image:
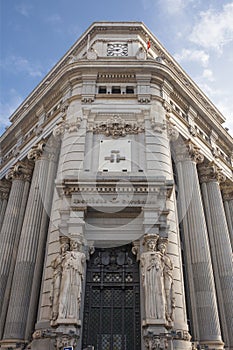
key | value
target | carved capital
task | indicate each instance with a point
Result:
(117, 127)
(227, 190)
(37, 151)
(20, 171)
(73, 126)
(211, 173)
(66, 340)
(187, 150)
(4, 189)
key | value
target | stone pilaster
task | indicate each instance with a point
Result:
(17, 314)
(210, 177)
(20, 175)
(200, 278)
(4, 194)
(227, 193)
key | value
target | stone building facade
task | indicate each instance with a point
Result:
(116, 205)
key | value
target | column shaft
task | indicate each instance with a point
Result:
(27, 251)
(11, 226)
(200, 272)
(221, 254)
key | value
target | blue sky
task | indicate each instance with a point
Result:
(36, 34)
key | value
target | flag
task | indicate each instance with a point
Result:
(148, 44)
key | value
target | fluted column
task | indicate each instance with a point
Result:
(4, 194)
(27, 251)
(227, 192)
(210, 177)
(20, 175)
(205, 319)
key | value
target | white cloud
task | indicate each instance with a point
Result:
(199, 56)
(24, 9)
(214, 29)
(20, 64)
(54, 18)
(208, 74)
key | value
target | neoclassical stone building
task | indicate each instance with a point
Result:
(116, 205)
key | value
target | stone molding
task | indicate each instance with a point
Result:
(188, 150)
(116, 127)
(211, 172)
(20, 171)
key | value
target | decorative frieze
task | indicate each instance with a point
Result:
(64, 126)
(211, 172)
(156, 342)
(117, 127)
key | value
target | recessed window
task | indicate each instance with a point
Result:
(129, 89)
(116, 90)
(102, 90)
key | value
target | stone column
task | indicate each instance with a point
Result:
(210, 177)
(4, 194)
(205, 319)
(27, 250)
(227, 192)
(20, 175)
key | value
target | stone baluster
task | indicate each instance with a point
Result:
(227, 192)
(20, 175)
(205, 318)
(210, 177)
(27, 250)
(4, 194)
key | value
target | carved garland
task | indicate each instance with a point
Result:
(117, 127)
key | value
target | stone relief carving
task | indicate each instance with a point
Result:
(157, 277)
(154, 342)
(117, 127)
(21, 170)
(68, 270)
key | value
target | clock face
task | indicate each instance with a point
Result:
(117, 50)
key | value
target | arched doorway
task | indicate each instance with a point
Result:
(112, 301)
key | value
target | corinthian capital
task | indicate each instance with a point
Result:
(211, 173)
(20, 171)
(187, 150)
(36, 151)
(227, 190)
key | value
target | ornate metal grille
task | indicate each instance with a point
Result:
(112, 301)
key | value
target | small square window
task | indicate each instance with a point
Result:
(129, 89)
(116, 90)
(102, 90)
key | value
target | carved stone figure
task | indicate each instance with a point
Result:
(153, 282)
(57, 273)
(168, 279)
(71, 282)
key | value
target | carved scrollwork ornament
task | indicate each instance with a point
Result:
(211, 172)
(37, 151)
(20, 171)
(172, 132)
(158, 127)
(66, 340)
(59, 129)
